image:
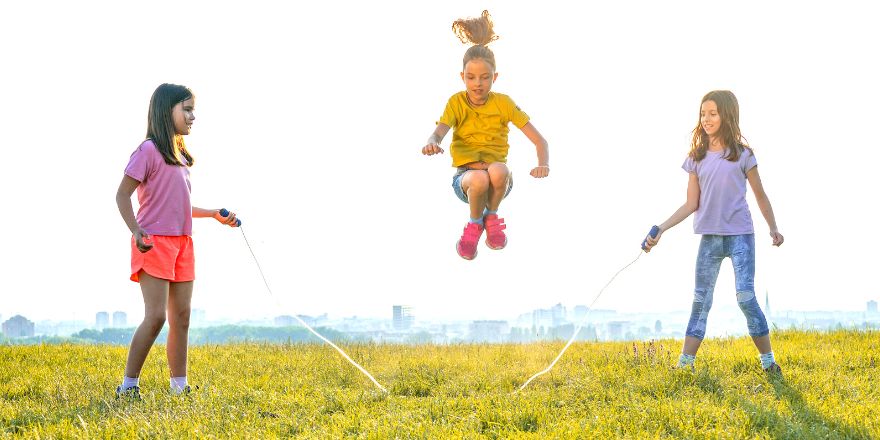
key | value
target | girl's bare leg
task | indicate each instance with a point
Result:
(155, 293)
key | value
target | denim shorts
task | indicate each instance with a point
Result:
(456, 184)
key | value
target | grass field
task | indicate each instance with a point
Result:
(830, 389)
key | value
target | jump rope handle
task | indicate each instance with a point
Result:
(653, 233)
(225, 213)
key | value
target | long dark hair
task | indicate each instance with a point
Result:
(477, 31)
(728, 110)
(160, 124)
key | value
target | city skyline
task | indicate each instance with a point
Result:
(202, 311)
(555, 322)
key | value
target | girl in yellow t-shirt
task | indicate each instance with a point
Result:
(479, 119)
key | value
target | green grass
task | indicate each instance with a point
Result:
(831, 389)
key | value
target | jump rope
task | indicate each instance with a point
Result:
(225, 213)
(653, 233)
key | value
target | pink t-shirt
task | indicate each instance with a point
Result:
(165, 207)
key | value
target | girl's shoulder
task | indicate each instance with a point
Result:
(458, 96)
(500, 98)
(458, 100)
(147, 148)
(502, 101)
(746, 154)
(147, 145)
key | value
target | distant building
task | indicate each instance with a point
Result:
(488, 331)
(542, 318)
(18, 327)
(872, 306)
(402, 317)
(120, 319)
(102, 320)
(617, 329)
(579, 313)
(558, 314)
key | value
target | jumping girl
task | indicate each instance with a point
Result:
(478, 118)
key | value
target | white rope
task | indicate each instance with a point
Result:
(362, 369)
(580, 325)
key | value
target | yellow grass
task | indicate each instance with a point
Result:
(830, 389)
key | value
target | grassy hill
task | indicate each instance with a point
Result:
(830, 389)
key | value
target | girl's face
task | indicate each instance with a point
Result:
(710, 119)
(183, 117)
(478, 77)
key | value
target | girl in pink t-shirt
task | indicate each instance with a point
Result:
(162, 259)
(718, 166)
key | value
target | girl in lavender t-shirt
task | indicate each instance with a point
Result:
(718, 166)
(162, 258)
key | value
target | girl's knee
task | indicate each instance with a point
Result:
(748, 303)
(154, 323)
(181, 320)
(745, 296)
(498, 173)
(498, 168)
(477, 180)
(703, 296)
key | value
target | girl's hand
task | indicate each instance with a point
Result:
(431, 149)
(540, 171)
(652, 241)
(228, 220)
(777, 238)
(142, 240)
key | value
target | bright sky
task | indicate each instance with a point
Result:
(309, 121)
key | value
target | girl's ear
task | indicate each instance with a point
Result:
(495, 77)
(462, 75)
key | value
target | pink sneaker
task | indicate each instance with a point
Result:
(495, 237)
(467, 245)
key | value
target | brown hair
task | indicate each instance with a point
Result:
(728, 110)
(477, 31)
(160, 125)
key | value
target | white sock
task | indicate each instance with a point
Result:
(178, 384)
(685, 360)
(128, 382)
(767, 359)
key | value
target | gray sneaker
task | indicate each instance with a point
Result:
(133, 393)
(187, 390)
(774, 369)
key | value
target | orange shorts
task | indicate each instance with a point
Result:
(171, 258)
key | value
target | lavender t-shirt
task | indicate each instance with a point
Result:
(165, 207)
(723, 208)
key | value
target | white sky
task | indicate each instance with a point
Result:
(310, 117)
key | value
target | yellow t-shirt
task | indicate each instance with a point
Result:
(479, 134)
